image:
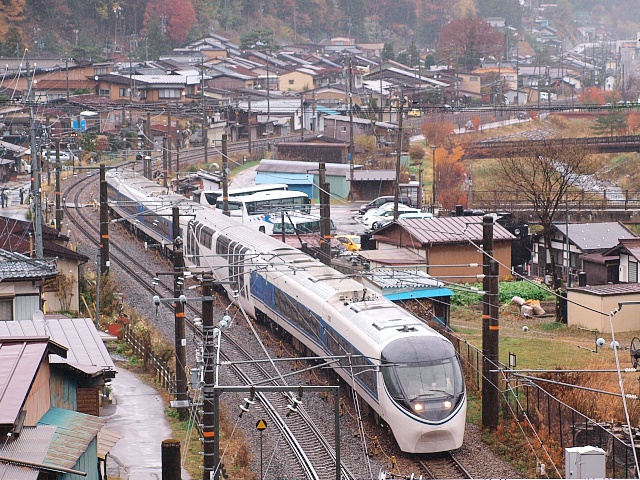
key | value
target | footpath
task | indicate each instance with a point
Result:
(138, 416)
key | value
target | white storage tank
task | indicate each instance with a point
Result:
(584, 462)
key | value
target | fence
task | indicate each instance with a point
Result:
(142, 347)
(562, 425)
(511, 201)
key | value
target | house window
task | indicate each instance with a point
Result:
(291, 82)
(123, 92)
(6, 309)
(104, 92)
(633, 272)
(343, 129)
(169, 93)
(473, 79)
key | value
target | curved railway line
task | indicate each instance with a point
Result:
(307, 445)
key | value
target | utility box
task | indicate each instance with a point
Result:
(584, 462)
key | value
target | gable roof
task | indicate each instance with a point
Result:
(595, 236)
(20, 359)
(443, 230)
(15, 237)
(630, 245)
(87, 352)
(14, 266)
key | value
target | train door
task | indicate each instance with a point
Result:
(192, 244)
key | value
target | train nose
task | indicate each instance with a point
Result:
(439, 440)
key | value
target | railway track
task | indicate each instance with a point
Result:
(308, 447)
(443, 465)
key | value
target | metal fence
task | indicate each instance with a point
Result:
(562, 425)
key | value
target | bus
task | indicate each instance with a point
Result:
(264, 208)
(299, 224)
(210, 197)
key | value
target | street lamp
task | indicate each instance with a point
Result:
(433, 161)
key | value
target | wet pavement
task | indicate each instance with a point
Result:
(138, 415)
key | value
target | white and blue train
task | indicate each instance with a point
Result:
(408, 373)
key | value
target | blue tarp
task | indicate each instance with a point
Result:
(419, 293)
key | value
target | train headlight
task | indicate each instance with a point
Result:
(418, 407)
(447, 404)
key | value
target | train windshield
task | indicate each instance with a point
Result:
(424, 375)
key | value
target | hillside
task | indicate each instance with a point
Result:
(150, 26)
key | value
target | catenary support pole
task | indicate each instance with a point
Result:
(490, 329)
(180, 330)
(104, 222)
(209, 431)
(58, 190)
(225, 177)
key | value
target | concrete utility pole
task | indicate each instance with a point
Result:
(169, 140)
(180, 330)
(165, 171)
(147, 141)
(205, 133)
(58, 190)
(396, 190)
(209, 426)
(104, 222)
(490, 329)
(351, 159)
(225, 177)
(36, 172)
(325, 215)
(249, 124)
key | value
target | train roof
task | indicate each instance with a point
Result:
(383, 320)
(324, 280)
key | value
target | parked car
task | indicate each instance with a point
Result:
(406, 215)
(349, 242)
(378, 202)
(381, 217)
(64, 156)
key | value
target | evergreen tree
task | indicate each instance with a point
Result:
(387, 52)
(157, 43)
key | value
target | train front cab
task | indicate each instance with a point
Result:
(424, 380)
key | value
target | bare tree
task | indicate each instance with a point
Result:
(547, 175)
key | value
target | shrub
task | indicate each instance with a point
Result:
(507, 290)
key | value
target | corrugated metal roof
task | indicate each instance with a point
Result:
(595, 236)
(606, 290)
(310, 168)
(74, 433)
(393, 256)
(106, 440)
(387, 278)
(79, 335)
(31, 446)
(445, 230)
(19, 363)
(370, 175)
(12, 147)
